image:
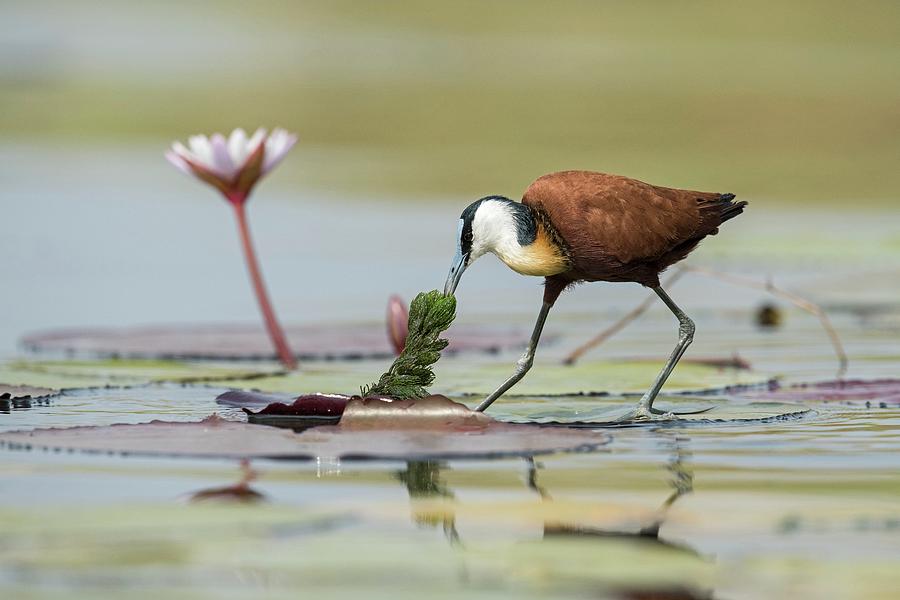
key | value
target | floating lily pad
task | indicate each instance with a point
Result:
(357, 412)
(873, 392)
(600, 411)
(454, 377)
(250, 342)
(575, 411)
(217, 437)
(61, 374)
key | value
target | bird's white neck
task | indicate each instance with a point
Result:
(510, 231)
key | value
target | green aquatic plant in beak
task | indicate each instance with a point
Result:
(430, 314)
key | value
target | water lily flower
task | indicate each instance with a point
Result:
(233, 166)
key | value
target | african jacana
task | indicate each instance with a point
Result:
(576, 226)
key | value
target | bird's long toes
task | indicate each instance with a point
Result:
(695, 411)
(644, 415)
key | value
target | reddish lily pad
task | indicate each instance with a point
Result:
(479, 437)
(300, 412)
(249, 342)
(308, 410)
(354, 411)
(872, 392)
(316, 405)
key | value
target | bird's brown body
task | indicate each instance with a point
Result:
(613, 228)
(575, 226)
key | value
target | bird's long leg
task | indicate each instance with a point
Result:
(524, 363)
(686, 328)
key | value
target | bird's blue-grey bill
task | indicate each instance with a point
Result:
(456, 271)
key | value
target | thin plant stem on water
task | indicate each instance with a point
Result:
(768, 286)
(273, 327)
(234, 166)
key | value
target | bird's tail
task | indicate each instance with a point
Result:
(729, 209)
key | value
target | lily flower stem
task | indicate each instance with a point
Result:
(276, 333)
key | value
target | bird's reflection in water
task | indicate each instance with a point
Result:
(240, 492)
(423, 481)
(682, 483)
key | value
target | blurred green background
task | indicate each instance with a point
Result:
(776, 101)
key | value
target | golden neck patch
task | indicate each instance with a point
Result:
(543, 257)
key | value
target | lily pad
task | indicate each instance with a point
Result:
(250, 342)
(586, 377)
(872, 392)
(574, 411)
(604, 411)
(456, 376)
(220, 438)
(61, 374)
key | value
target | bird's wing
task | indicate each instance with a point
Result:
(611, 215)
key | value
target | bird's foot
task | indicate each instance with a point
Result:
(645, 413)
(642, 413)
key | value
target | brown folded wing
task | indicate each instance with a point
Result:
(607, 219)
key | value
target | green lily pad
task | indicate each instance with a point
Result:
(585, 377)
(598, 411)
(62, 374)
(344, 377)
(463, 376)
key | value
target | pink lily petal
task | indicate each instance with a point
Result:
(237, 146)
(277, 147)
(221, 160)
(179, 163)
(202, 149)
(179, 149)
(258, 137)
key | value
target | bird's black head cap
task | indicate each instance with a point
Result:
(526, 228)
